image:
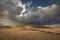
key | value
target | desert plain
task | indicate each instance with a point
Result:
(29, 33)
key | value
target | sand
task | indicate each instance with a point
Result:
(29, 34)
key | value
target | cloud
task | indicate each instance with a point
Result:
(8, 11)
(50, 14)
(14, 12)
(42, 15)
(54, 2)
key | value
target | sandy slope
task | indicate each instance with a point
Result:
(20, 34)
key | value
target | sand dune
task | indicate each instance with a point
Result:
(29, 33)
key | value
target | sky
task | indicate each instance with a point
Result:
(29, 12)
(42, 2)
(37, 2)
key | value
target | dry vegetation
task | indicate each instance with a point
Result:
(29, 33)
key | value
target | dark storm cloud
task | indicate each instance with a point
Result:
(42, 15)
(54, 2)
(10, 13)
(50, 14)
